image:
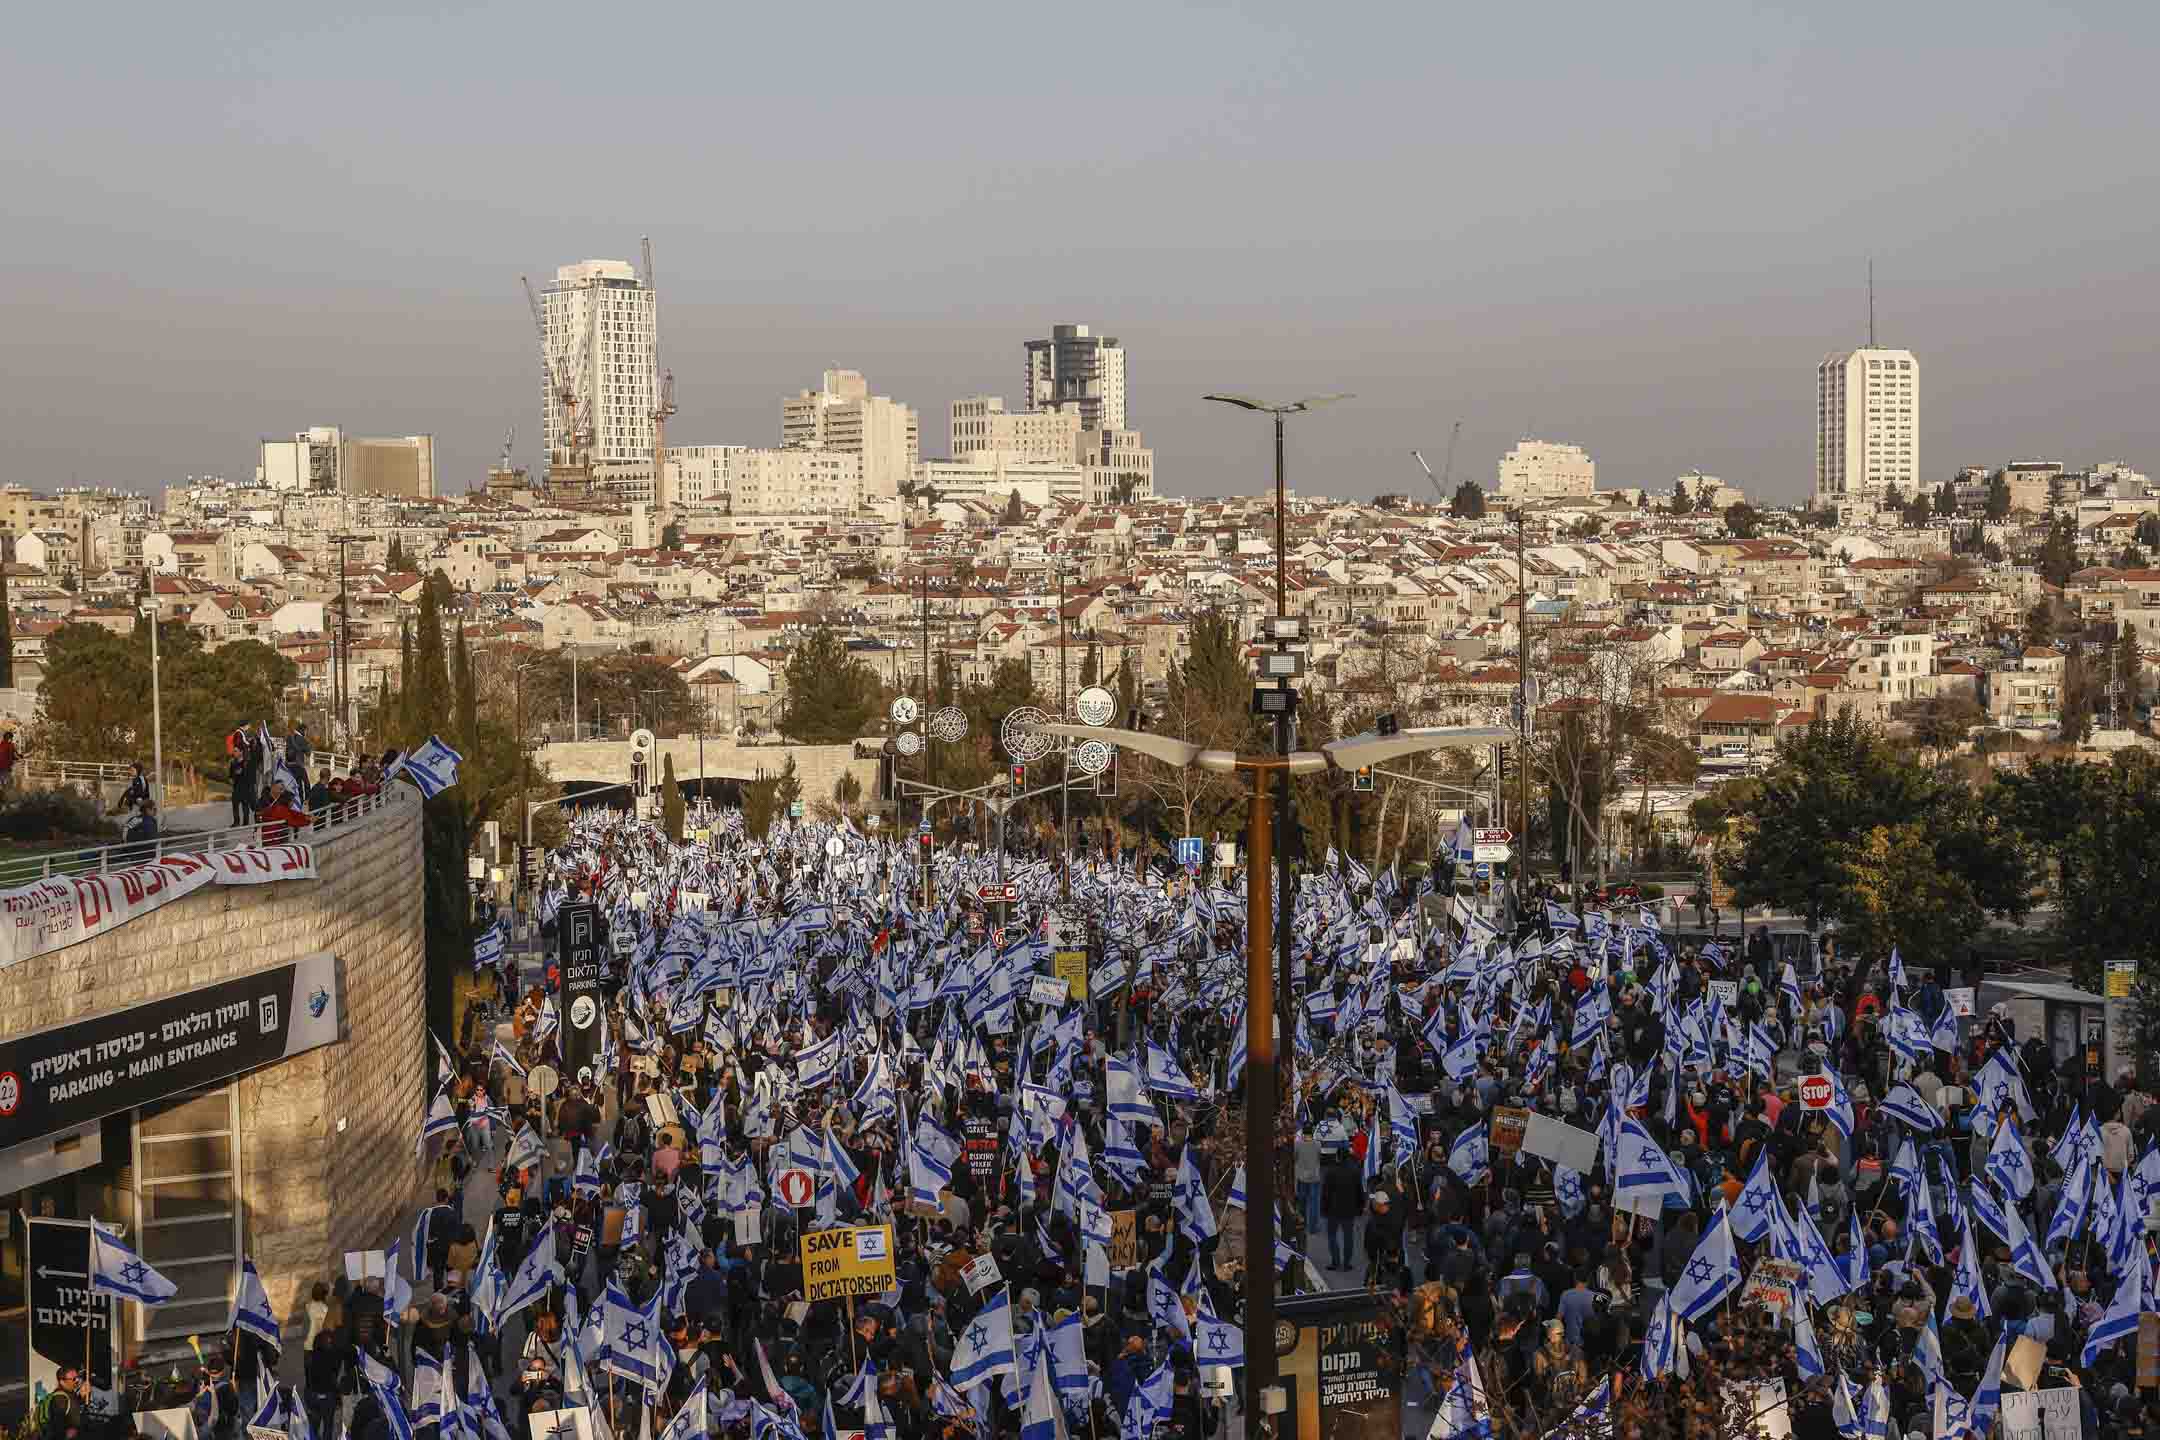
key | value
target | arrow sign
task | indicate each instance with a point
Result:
(998, 892)
(1495, 837)
(795, 1188)
(46, 1272)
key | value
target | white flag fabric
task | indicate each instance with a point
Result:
(432, 767)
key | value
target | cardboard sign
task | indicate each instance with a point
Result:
(1773, 1283)
(572, 1422)
(1047, 990)
(1559, 1142)
(2040, 1414)
(854, 1260)
(749, 1224)
(366, 1265)
(1124, 1239)
(981, 1273)
(1071, 966)
(1508, 1127)
(2024, 1360)
(1727, 992)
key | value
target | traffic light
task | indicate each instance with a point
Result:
(1500, 760)
(1019, 776)
(1363, 779)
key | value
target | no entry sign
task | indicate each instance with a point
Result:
(795, 1188)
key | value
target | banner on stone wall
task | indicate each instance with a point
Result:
(63, 910)
(73, 1074)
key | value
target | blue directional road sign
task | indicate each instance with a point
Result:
(1189, 850)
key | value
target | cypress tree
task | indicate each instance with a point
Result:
(7, 626)
(430, 682)
(468, 701)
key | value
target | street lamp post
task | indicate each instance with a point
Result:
(1284, 704)
(157, 710)
(1260, 1010)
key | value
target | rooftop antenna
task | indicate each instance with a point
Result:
(1871, 302)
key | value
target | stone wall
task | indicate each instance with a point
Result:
(326, 1149)
(819, 767)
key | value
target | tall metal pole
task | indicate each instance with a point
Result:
(1285, 815)
(1522, 707)
(157, 708)
(1065, 762)
(1260, 1107)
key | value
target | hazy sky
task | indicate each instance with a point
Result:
(1637, 228)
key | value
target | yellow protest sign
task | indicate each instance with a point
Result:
(1071, 966)
(854, 1260)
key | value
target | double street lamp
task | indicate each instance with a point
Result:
(1262, 1063)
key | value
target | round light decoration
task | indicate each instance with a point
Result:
(1091, 757)
(903, 710)
(1023, 734)
(908, 743)
(1095, 706)
(948, 723)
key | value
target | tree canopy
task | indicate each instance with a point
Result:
(831, 696)
(95, 703)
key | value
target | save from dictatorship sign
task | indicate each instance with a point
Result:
(854, 1260)
(63, 910)
(72, 1074)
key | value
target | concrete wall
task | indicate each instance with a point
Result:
(326, 1149)
(818, 766)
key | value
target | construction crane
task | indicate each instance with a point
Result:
(1447, 467)
(566, 399)
(663, 396)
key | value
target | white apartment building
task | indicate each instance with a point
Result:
(1115, 460)
(324, 460)
(993, 476)
(797, 480)
(1076, 370)
(843, 415)
(697, 474)
(981, 422)
(1542, 470)
(1867, 423)
(600, 319)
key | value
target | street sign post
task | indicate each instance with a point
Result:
(995, 894)
(1189, 850)
(1816, 1092)
(795, 1188)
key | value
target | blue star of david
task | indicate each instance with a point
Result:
(633, 1336)
(1698, 1269)
(2001, 1091)
(1755, 1201)
(2011, 1160)
(978, 1336)
(1217, 1342)
(134, 1272)
(1650, 1155)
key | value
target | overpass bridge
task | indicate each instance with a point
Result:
(607, 762)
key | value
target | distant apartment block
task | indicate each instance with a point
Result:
(324, 460)
(600, 316)
(843, 415)
(1542, 470)
(793, 481)
(1867, 423)
(1079, 371)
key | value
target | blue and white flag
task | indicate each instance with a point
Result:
(1711, 1273)
(1216, 1341)
(1661, 1342)
(2121, 1319)
(1905, 1104)
(1463, 1414)
(1043, 1418)
(985, 1348)
(818, 1064)
(1643, 1172)
(1987, 1400)
(384, 1382)
(2008, 1164)
(432, 767)
(1757, 1201)
(637, 1347)
(251, 1308)
(693, 1420)
(117, 1270)
(536, 1275)
(1470, 1157)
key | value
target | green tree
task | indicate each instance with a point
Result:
(1682, 503)
(1998, 498)
(2080, 696)
(2057, 560)
(671, 801)
(1741, 521)
(468, 698)
(1468, 501)
(760, 805)
(2098, 827)
(671, 535)
(1015, 510)
(2129, 671)
(788, 791)
(1941, 723)
(2039, 624)
(2130, 558)
(831, 696)
(1945, 500)
(2148, 533)
(394, 561)
(428, 711)
(1841, 827)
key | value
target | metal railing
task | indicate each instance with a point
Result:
(329, 764)
(329, 823)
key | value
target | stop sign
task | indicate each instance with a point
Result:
(795, 1188)
(1817, 1093)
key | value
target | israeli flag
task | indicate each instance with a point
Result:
(1987, 1400)
(440, 1119)
(1807, 1350)
(985, 1348)
(817, 1064)
(1067, 1352)
(1470, 1156)
(1756, 1200)
(1711, 1273)
(251, 1308)
(384, 1382)
(432, 767)
(1127, 1101)
(1216, 1341)
(1043, 1418)
(1165, 1078)
(637, 1346)
(1967, 1281)
(1905, 1103)
(536, 1276)
(427, 1390)
(117, 1270)
(2008, 1164)
(1643, 1172)
(1661, 1342)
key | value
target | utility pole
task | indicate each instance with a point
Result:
(1065, 760)
(340, 674)
(1523, 702)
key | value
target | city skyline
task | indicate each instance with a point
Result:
(1651, 265)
